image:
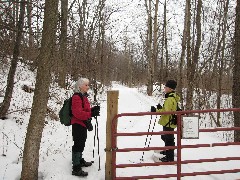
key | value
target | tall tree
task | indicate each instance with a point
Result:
(152, 42)
(188, 46)
(40, 99)
(63, 44)
(99, 65)
(80, 63)
(221, 60)
(193, 61)
(10, 82)
(183, 52)
(165, 40)
(29, 17)
(236, 73)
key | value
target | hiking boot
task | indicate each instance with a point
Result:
(163, 152)
(84, 163)
(77, 171)
(165, 159)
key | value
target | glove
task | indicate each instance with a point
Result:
(95, 113)
(159, 106)
(153, 109)
(96, 108)
(88, 124)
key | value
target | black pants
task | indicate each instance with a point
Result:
(79, 134)
(169, 141)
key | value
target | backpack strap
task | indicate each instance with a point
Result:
(171, 95)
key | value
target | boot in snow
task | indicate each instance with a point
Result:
(77, 168)
(77, 171)
(84, 163)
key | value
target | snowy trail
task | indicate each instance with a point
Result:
(55, 153)
(131, 100)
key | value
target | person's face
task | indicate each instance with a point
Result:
(167, 89)
(84, 88)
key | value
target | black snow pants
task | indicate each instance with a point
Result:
(79, 134)
(169, 141)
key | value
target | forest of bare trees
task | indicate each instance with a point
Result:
(67, 39)
(83, 48)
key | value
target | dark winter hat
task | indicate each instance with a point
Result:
(171, 84)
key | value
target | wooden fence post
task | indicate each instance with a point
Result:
(112, 110)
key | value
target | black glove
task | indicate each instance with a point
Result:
(95, 108)
(95, 113)
(153, 109)
(159, 106)
(88, 124)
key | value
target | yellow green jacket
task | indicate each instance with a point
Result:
(170, 104)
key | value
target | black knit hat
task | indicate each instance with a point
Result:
(171, 84)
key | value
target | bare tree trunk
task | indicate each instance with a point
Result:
(81, 60)
(63, 45)
(131, 66)
(236, 73)
(183, 53)
(149, 48)
(36, 122)
(221, 62)
(192, 64)
(38, 27)
(98, 71)
(30, 36)
(152, 44)
(188, 43)
(166, 41)
(155, 37)
(102, 38)
(10, 83)
(161, 69)
(73, 48)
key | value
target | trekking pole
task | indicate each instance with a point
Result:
(152, 131)
(146, 138)
(94, 141)
(98, 144)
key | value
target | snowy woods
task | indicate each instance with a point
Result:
(135, 43)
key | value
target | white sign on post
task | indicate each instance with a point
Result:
(190, 127)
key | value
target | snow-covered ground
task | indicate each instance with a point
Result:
(55, 152)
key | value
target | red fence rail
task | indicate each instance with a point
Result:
(179, 146)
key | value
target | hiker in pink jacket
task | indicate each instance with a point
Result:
(81, 120)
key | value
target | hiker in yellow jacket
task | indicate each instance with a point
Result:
(170, 104)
